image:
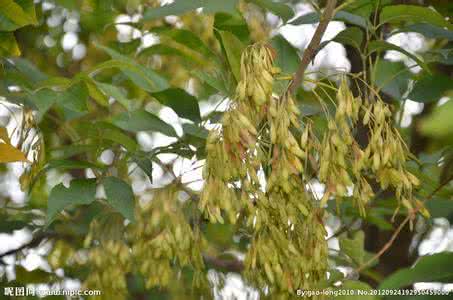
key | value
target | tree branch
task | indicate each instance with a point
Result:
(232, 265)
(401, 226)
(387, 245)
(312, 48)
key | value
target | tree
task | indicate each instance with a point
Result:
(110, 183)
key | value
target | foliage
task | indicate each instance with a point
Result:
(118, 214)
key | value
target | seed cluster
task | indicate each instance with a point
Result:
(254, 168)
(233, 153)
(109, 264)
(162, 240)
(157, 246)
(387, 154)
(343, 164)
(257, 170)
(288, 249)
(260, 162)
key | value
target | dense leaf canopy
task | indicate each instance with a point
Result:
(164, 149)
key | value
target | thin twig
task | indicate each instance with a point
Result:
(401, 226)
(313, 46)
(387, 245)
(343, 229)
(232, 265)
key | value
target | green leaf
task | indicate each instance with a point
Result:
(349, 285)
(142, 120)
(142, 76)
(80, 191)
(9, 226)
(8, 45)
(176, 8)
(43, 100)
(107, 131)
(430, 88)
(68, 151)
(180, 7)
(279, 9)
(28, 69)
(116, 93)
(380, 220)
(128, 48)
(288, 59)
(392, 78)
(144, 161)
(351, 18)
(184, 104)
(213, 79)
(233, 48)
(440, 208)
(344, 16)
(161, 49)
(186, 38)
(440, 122)
(441, 56)
(384, 46)
(429, 268)
(69, 114)
(196, 136)
(354, 248)
(95, 92)
(352, 36)
(413, 14)
(16, 14)
(120, 196)
(364, 8)
(227, 6)
(32, 277)
(236, 24)
(334, 276)
(63, 165)
(428, 30)
(61, 82)
(75, 97)
(196, 131)
(310, 18)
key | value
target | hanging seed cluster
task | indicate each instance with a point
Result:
(387, 154)
(157, 246)
(288, 248)
(259, 163)
(109, 263)
(162, 241)
(233, 153)
(257, 170)
(254, 168)
(340, 153)
(343, 164)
